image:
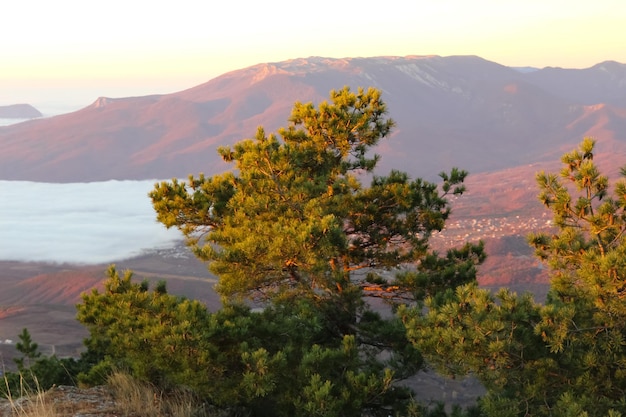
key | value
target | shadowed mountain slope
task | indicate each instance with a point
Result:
(603, 83)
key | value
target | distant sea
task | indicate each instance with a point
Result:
(83, 223)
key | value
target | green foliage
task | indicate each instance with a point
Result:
(292, 228)
(567, 356)
(584, 320)
(282, 361)
(296, 218)
(470, 330)
(153, 334)
(28, 349)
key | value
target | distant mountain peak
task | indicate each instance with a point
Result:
(610, 65)
(310, 64)
(19, 111)
(101, 102)
(266, 70)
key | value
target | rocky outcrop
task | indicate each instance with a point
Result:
(63, 401)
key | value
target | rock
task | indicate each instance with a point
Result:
(64, 401)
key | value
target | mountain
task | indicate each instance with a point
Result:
(502, 124)
(450, 111)
(19, 111)
(602, 83)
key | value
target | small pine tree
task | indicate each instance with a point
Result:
(28, 349)
(37, 372)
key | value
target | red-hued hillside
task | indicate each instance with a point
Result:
(42, 297)
(450, 111)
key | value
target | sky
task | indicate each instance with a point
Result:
(61, 54)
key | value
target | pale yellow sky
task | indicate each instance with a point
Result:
(76, 50)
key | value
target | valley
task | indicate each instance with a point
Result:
(42, 296)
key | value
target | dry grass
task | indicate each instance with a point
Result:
(123, 397)
(30, 401)
(139, 399)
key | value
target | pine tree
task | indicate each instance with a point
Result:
(29, 350)
(564, 357)
(152, 334)
(294, 228)
(584, 320)
(295, 218)
(35, 371)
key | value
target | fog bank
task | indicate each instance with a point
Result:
(87, 223)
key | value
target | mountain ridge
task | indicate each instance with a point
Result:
(450, 111)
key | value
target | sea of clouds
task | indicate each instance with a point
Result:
(7, 122)
(85, 223)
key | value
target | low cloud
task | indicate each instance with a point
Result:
(85, 223)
